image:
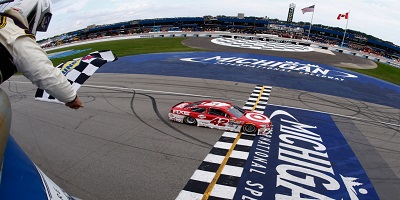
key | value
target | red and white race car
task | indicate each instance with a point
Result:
(221, 115)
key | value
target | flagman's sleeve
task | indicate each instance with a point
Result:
(33, 63)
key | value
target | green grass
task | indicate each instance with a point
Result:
(383, 71)
(159, 45)
(129, 47)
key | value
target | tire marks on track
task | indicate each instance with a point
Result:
(154, 104)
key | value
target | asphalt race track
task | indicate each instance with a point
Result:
(121, 145)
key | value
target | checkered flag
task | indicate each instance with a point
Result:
(78, 71)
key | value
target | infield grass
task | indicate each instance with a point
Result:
(158, 45)
(128, 47)
(383, 71)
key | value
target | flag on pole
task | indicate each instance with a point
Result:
(308, 9)
(340, 16)
(346, 16)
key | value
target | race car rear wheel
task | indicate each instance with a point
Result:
(248, 128)
(190, 120)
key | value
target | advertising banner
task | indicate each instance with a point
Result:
(292, 6)
(306, 157)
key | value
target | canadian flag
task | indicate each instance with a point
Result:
(346, 16)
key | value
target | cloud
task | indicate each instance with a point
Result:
(373, 17)
(66, 7)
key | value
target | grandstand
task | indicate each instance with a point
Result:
(248, 25)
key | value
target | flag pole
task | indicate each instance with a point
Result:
(309, 30)
(348, 16)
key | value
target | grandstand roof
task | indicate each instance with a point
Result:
(223, 22)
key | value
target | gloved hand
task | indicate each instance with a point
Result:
(75, 104)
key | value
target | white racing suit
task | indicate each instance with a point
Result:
(20, 52)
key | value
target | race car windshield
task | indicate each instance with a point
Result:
(237, 111)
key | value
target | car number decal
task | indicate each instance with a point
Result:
(219, 121)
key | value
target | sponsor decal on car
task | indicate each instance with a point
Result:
(301, 67)
(201, 117)
(174, 118)
(234, 122)
(257, 117)
(181, 112)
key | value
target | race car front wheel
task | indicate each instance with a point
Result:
(248, 128)
(190, 120)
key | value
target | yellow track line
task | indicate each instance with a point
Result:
(221, 167)
(258, 99)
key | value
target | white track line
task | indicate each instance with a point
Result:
(339, 115)
(155, 91)
(195, 95)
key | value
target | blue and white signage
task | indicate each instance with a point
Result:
(289, 65)
(22, 179)
(261, 69)
(306, 157)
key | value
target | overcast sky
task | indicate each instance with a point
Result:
(373, 17)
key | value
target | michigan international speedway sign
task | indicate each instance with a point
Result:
(261, 69)
(306, 157)
(276, 65)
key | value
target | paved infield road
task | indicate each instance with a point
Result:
(122, 146)
(340, 59)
